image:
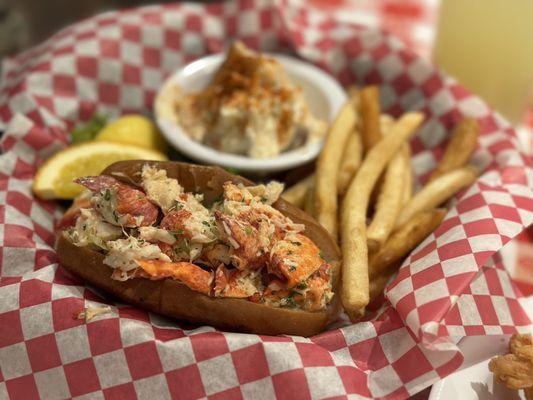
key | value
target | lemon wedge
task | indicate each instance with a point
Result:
(133, 129)
(54, 179)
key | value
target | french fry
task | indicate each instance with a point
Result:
(390, 199)
(370, 117)
(351, 160)
(404, 240)
(437, 192)
(389, 203)
(377, 284)
(408, 179)
(296, 193)
(386, 122)
(309, 202)
(459, 149)
(353, 153)
(326, 202)
(353, 91)
(355, 289)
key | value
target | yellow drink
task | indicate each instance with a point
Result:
(488, 46)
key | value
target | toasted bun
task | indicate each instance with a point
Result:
(172, 298)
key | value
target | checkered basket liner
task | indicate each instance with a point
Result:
(453, 285)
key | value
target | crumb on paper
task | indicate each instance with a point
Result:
(89, 313)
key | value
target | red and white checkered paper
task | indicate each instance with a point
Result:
(451, 286)
(413, 21)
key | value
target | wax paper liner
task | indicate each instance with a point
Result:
(451, 286)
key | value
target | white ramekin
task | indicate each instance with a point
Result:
(322, 92)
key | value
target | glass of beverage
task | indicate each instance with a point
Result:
(488, 46)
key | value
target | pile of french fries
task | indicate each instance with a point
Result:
(362, 192)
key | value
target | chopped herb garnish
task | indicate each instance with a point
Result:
(321, 254)
(115, 215)
(297, 243)
(264, 199)
(302, 285)
(206, 223)
(177, 233)
(292, 268)
(248, 230)
(290, 253)
(184, 246)
(176, 206)
(107, 195)
(289, 301)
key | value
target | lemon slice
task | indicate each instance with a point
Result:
(133, 129)
(54, 179)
